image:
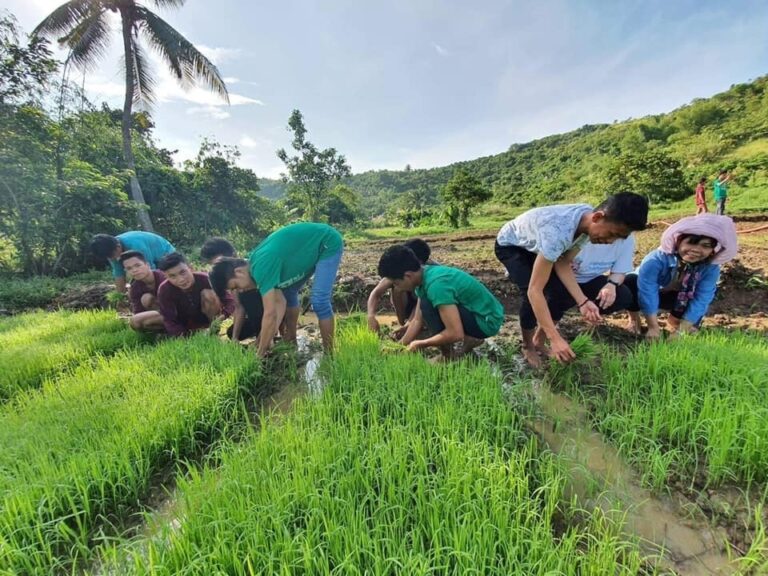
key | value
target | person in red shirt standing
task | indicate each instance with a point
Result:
(143, 291)
(701, 201)
(186, 299)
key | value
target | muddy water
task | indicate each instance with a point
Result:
(600, 478)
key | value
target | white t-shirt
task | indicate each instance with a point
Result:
(594, 260)
(548, 230)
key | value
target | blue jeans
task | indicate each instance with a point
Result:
(322, 287)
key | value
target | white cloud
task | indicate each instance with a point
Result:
(439, 49)
(218, 55)
(215, 112)
(248, 142)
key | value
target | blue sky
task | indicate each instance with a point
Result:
(428, 82)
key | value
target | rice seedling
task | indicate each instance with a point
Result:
(398, 467)
(84, 447)
(37, 345)
(695, 407)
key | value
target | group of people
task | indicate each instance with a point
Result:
(560, 257)
(720, 193)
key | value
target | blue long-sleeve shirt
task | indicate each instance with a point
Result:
(658, 269)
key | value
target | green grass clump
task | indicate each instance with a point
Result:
(689, 408)
(86, 446)
(399, 467)
(38, 345)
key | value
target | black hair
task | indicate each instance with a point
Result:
(132, 254)
(214, 247)
(104, 245)
(222, 272)
(723, 170)
(626, 208)
(170, 260)
(703, 181)
(696, 238)
(420, 248)
(396, 261)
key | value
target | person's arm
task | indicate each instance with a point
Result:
(228, 305)
(607, 295)
(271, 320)
(238, 317)
(121, 284)
(542, 269)
(587, 308)
(648, 281)
(414, 326)
(373, 302)
(705, 293)
(453, 332)
(170, 314)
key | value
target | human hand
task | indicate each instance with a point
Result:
(653, 333)
(590, 312)
(561, 350)
(607, 296)
(414, 346)
(373, 324)
(399, 333)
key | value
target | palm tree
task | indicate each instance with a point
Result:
(83, 27)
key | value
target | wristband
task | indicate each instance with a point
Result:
(582, 304)
(613, 282)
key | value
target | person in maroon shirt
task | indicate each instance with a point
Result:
(143, 292)
(187, 302)
(701, 199)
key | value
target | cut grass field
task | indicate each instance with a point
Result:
(38, 345)
(82, 451)
(399, 467)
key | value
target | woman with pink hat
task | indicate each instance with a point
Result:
(681, 274)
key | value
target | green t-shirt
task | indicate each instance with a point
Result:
(443, 285)
(721, 190)
(290, 254)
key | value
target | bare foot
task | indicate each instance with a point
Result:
(634, 328)
(531, 356)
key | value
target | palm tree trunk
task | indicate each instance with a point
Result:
(144, 221)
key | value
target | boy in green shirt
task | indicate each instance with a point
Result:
(278, 268)
(721, 191)
(454, 305)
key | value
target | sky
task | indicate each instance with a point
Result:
(430, 82)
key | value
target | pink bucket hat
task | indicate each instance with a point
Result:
(721, 228)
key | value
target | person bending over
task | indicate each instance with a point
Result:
(454, 305)
(249, 308)
(403, 302)
(600, 270)
(278, 268)
(153, 247)
(186, 299)
(545, 239)
(681, 274)
(142, 294)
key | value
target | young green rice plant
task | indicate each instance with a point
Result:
(398, 467)
(693, 407)
(36, 345)
(85, 446)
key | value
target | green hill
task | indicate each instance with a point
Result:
(729, 129)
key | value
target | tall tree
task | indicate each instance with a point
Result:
(83, 27)
(462, 192)
(311, 172)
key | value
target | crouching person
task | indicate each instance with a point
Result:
(454, 305)
(186, 300)
(681, 274)
(142, 295)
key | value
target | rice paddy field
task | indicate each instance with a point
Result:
(158, 458)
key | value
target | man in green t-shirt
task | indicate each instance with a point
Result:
(721, 191)
(454, 305)
(278, 268)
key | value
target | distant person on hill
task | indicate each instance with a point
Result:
(186, 299)
(600, 270)
(143, 292)
(151, 245)
(278, 268)
(701, 200)
(403, 302)
(548, 238)
(249, 310)
(681, 274)
(721, 190)
(455, 306)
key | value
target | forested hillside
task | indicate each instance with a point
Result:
(663, 155)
